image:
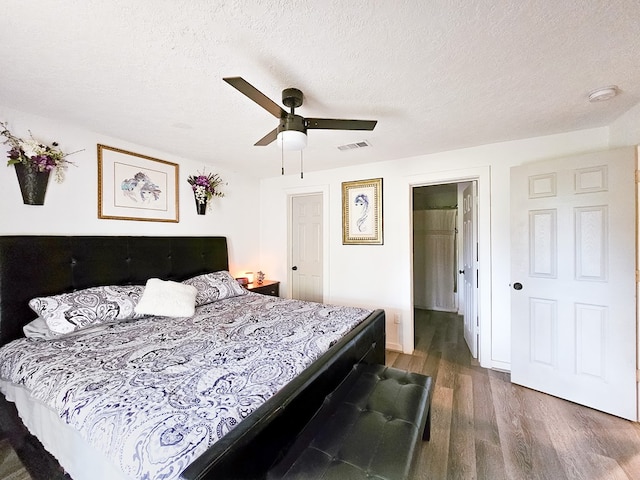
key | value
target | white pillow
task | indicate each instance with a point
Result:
(167, 299)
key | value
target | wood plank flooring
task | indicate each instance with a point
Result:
(485, 428)
(10, 466)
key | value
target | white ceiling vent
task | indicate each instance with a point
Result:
(352, 146)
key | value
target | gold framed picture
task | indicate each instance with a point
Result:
(362, 212)
(132, 186)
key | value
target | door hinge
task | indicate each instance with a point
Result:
(637, 276)
(637, 176)
(637, 376)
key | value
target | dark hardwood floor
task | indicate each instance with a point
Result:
(485, 428)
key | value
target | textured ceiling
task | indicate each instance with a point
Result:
(436, 74)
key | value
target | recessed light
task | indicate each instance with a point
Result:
(603, 93)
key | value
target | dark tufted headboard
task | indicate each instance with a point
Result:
(44, 265)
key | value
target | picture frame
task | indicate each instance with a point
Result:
(362, 212)
(132, 186)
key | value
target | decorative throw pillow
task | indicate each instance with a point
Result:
(72, 311)
(215, 286)
(167, 299)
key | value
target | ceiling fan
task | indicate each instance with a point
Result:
(291, 132)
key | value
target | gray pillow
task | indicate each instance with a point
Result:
(215, 286)
(72, 311)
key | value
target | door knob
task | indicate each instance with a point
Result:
(461, 272)
(517, 286)
(294, 268)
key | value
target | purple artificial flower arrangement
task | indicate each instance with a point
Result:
(205, 187)
(35, 155)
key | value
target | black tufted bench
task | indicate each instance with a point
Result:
(369, 427)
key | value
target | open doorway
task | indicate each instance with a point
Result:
(445, 253)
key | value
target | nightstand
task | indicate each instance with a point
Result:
(267, 287)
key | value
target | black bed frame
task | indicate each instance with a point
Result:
(43, 265)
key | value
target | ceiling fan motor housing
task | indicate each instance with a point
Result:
(292, 122)
(292, 132)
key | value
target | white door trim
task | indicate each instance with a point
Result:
(310, 190)
(483, 177)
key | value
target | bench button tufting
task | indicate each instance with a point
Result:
(378, 397)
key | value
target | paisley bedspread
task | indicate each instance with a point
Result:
(155, 393)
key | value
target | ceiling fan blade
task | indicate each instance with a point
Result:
(336, 124)
(256, 95)
(267, 139)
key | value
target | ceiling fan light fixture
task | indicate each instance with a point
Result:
(292, 140)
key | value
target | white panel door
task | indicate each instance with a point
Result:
(573, 301)
(306, 254)
(470, 257)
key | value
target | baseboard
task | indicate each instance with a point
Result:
(502, 366)
(438, 309)
(396, 347)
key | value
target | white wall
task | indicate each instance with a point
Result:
(71, 207)
(625, 130)
(370, 276)
(380, 276)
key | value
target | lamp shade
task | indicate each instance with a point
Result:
(292, 140)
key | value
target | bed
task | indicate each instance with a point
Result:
(33, 266)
